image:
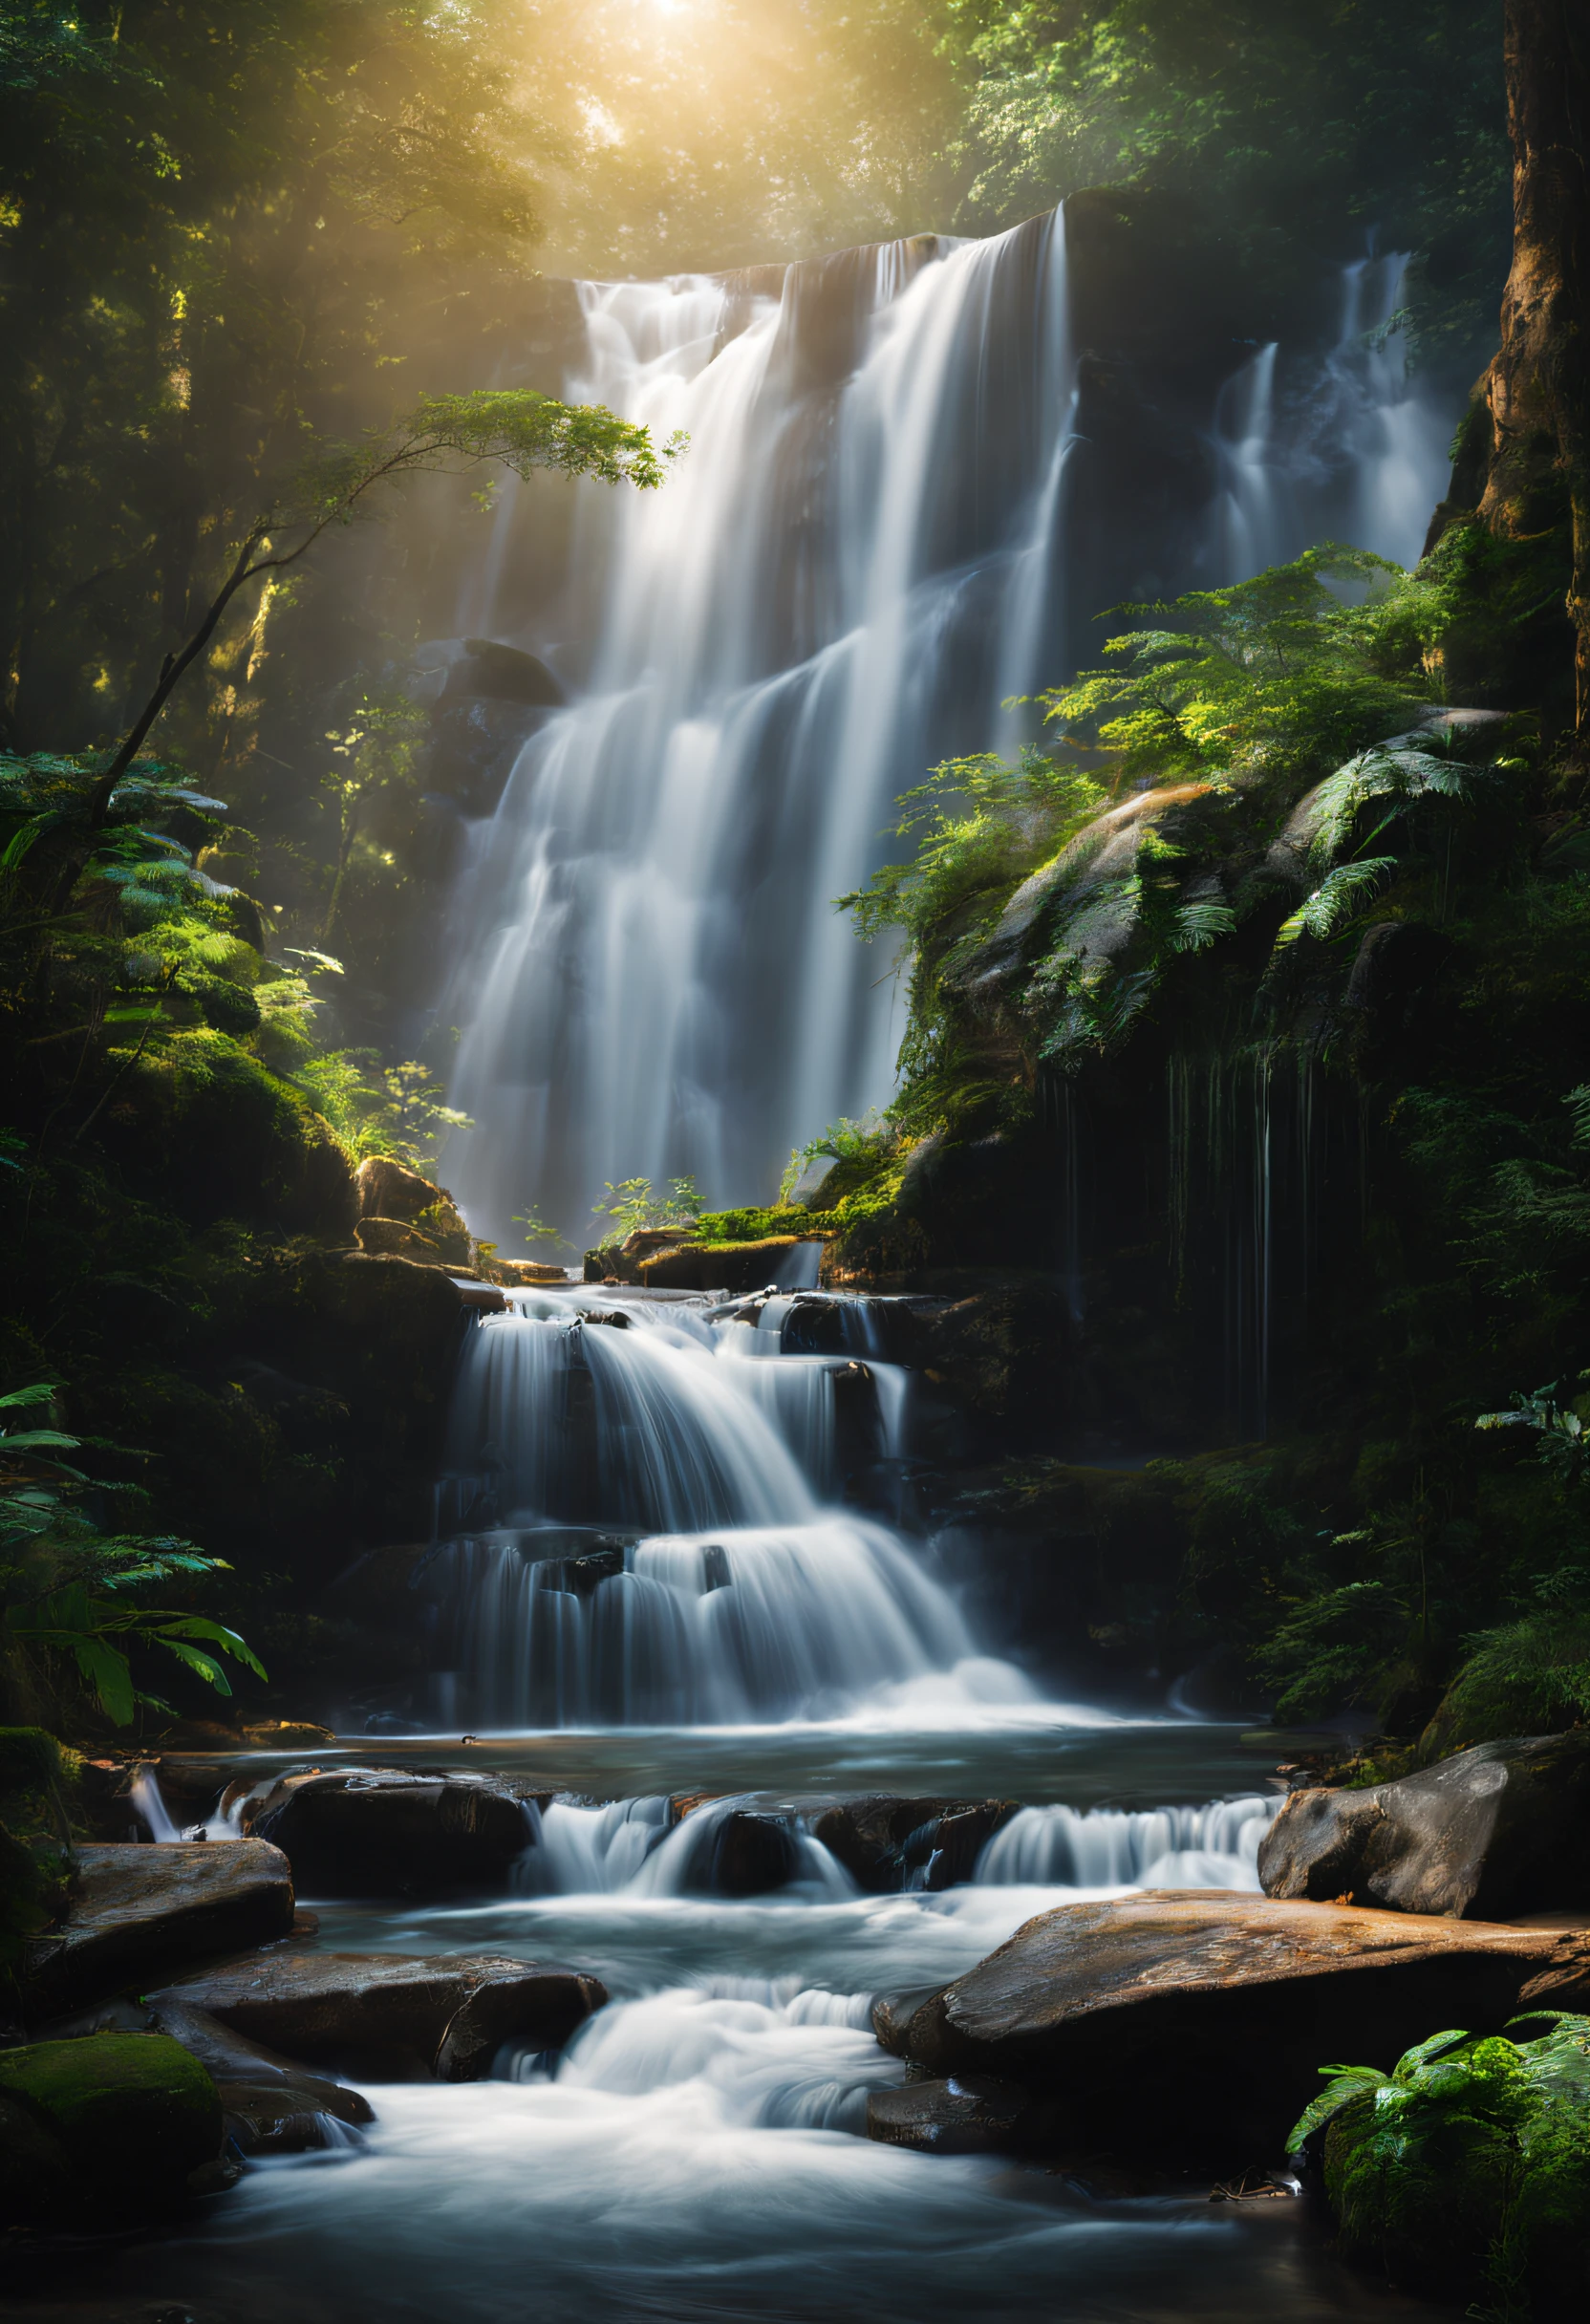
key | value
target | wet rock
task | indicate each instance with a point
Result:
(133, 2115)
(716, 1266)
(373, 1832)
(975, 2114)
(287, 1734)
(887, 1844)
(1195, 2024)
(524, 1274)
(271, 2104)
(1499, 1830)
(388, 2017)
(747, 1855)
(139, 1912)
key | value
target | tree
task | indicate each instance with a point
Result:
(514, 426)
(1523, 455)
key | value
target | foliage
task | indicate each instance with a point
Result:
(1467, 2166)
(1273, 678)
(61, 1575)
(981, 825)
(636, 1204)
(1337, 121)
(1562, 1445)
(537, 1230)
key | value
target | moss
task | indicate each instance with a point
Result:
(204, 1126)
(759, 1225)
(718, 1266)
(134, 2113)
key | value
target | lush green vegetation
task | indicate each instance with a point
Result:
(1466, 2167)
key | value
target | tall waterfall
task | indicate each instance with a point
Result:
(848, 573)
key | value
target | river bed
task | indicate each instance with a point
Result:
(696, 2154)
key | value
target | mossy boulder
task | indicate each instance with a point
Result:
(718, 1266)
(129, 2116)
(204, 1125)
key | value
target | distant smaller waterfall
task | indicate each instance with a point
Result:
(1252, 515)
(1059, 1847)
(1343, 445)
(629, 1848)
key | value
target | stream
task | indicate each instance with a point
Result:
(698, 2152)
(695, 2154)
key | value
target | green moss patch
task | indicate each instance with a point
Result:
(134, 2114)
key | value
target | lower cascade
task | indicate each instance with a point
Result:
(645, 1533)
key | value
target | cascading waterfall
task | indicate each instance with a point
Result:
(850, 569)
(643, 1537)
(1344, 449)
(1193, 1847)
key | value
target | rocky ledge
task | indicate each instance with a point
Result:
(136, 2102)
(1189, 2027)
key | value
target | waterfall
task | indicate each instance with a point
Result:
(645, 1529)
(848, 572)
(1207, 1847)
(1343, 445)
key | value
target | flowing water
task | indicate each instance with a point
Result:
(661, 1566)
(698, 2152)
(857, 567)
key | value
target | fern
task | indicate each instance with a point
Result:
(1468, 2165)
(1339, 897)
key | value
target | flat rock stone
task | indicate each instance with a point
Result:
(138, 1912)
(271, 2104)
(1196, 2022)
(379, 1832)
(1486, 1835)
(390, 2017)
(975, 2114)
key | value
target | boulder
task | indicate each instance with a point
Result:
(883, 1841)
(975, 2114)
(522, 1274)
(374, 1832)
(272, 2105)
(388, 2016)
(133, 2115)
(716, 1266)
(396, 1238)
(747, 1855)
(1498, 1831)
(487, 671)
(389, 1192)
(1194, 2023)
(137, 1913)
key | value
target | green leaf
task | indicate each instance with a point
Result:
(106, 1670)
(198, 1626)
(1347, 2083)
(198, 1660)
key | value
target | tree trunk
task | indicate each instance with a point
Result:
(1534, 405)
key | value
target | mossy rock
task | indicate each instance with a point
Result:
(207, 1127)
(718, 1266)
(132, 2113)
